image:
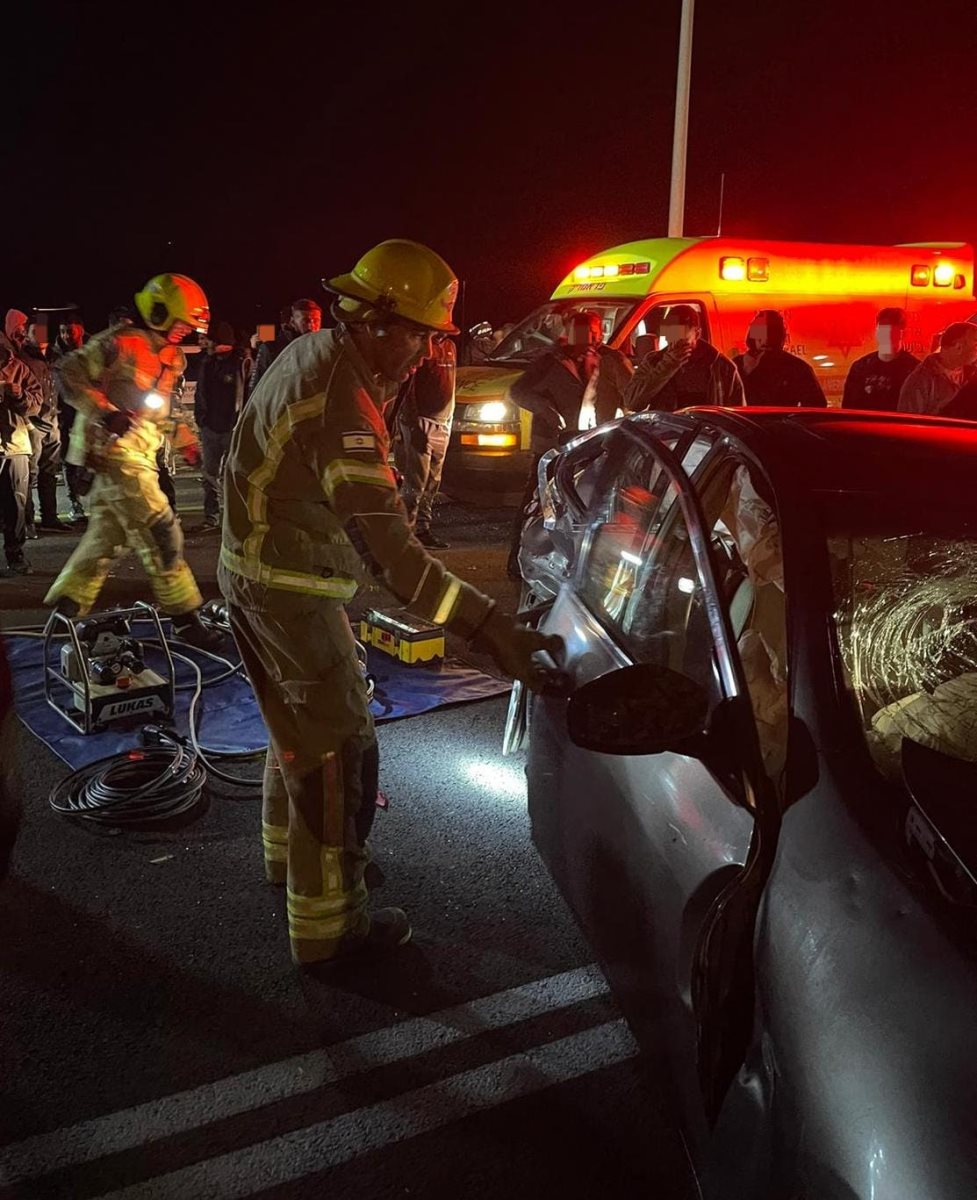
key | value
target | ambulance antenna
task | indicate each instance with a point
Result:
(722, 193)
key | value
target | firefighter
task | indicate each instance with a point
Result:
(311, 506)
(120, 383)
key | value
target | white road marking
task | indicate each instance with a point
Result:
(318, 1147)
(191, 1109)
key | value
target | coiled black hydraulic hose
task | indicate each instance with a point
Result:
(138, 787)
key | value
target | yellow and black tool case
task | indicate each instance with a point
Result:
(403, 636)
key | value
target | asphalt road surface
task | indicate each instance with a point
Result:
(156, 1040)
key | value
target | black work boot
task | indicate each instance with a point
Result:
(189, 628)
(18, 565)
(389, 928)
(67, 607)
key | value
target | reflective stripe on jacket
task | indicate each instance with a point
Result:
(309, 500)
(114, 370)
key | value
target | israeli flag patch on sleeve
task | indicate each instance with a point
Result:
(360, 440)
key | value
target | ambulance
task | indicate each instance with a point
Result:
(829, 294)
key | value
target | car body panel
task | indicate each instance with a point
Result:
(861, 1077)
(641, 844)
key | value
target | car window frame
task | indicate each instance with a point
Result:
(646, 435)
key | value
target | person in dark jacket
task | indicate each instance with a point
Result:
(45, 465)
(772, 376)
(552, 388)
(20, 399)
(688, 371)
(77, 479)
(422, 432)
(306, 317)
(875, 380)
(216, 403)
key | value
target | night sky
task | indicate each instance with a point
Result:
(259, 152)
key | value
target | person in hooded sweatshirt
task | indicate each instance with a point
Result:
(936, 383)
(772, 376)
(45, 466)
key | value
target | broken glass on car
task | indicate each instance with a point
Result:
(906, 621)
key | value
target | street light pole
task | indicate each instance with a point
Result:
(676, 203)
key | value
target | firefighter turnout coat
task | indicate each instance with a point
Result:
(312, 504)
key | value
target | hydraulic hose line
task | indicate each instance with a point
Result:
(164, 779)
(137, 787)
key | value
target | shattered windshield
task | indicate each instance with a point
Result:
(906, 620)
(547, 326)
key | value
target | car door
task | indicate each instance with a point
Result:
(552, 531)
(661, 856)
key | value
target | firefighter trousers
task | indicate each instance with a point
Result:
(128, 511)
(321, 771)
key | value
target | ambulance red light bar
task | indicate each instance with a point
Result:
(734, 270)
(612, 270)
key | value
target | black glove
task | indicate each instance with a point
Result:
(513, 645)
(118, 421)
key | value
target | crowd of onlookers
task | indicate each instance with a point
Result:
(578, 381)
(678, 368)
(37, 450)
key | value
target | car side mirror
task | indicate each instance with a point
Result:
(644, 709)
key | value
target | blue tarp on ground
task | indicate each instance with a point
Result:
(228, 715)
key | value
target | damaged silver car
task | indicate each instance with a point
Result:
(758, 796)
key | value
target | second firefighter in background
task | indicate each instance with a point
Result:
(311, 511)
(120, 383)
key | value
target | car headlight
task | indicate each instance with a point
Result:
(492, 412)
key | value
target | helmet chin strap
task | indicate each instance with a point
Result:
(366, 334)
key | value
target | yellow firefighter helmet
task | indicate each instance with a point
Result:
(398, 278)
(167, 299)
